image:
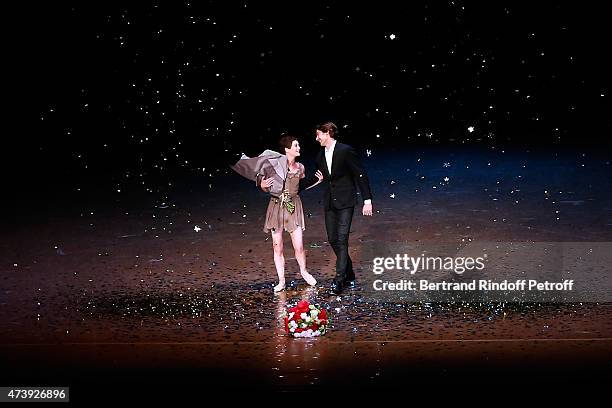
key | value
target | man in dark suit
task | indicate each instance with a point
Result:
(342, 172)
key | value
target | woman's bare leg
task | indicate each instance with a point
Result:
(279, 259)
(300, 256)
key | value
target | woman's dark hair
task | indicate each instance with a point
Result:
(329, 127)
(286, 142)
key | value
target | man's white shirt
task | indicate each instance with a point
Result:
(329, 154)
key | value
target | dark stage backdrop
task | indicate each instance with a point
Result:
(118, 98)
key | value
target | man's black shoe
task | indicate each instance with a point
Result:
(336, 288)
(349, 283)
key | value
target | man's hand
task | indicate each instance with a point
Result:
(367, 209)
(266, 183)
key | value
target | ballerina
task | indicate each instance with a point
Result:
(280, 176)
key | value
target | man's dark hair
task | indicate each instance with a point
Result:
(329, 127)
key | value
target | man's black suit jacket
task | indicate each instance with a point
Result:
(346, 173)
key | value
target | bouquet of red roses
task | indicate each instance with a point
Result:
(305, 320)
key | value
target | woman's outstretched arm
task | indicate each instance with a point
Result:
(311, 181)
(319, 177)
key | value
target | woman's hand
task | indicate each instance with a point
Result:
(266, 183)
(319, 175)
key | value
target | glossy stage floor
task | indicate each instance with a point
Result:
(131, 295)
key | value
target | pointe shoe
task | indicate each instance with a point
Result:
(309, 279)
(280, 287)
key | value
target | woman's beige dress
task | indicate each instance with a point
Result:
(277, 216)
